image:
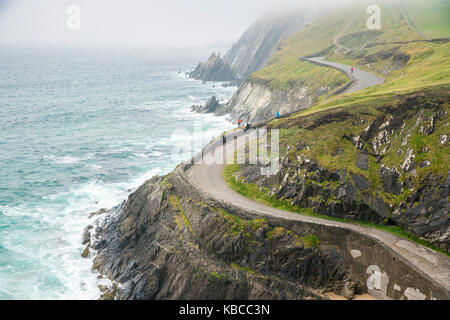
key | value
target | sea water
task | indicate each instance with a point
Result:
(80, 129)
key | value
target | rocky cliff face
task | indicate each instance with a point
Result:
(257, 101)
(166, 242)
(214, 69)
(255, 46)
(387, 168)
(262, 38)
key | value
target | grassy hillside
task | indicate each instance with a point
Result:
(429, 18)
(347, 27)
(391, 120)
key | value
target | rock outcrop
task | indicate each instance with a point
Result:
(256, 101)
(386, 184)
(213, 105)
(214, 69)
(166, 242)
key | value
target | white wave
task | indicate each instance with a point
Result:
(66, 159)
(59, 249)
(157, 154)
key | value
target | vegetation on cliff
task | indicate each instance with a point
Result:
(379, 155)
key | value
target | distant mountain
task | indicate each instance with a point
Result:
(256, 46)
(262, 38)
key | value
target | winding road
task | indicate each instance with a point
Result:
(210, 180)
(360, 79)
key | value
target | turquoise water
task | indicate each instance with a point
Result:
(79, 130)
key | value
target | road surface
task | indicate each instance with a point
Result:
(361, 79)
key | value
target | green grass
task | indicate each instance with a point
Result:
(311, 241)
(430, 18)
(239, 225)
(175, 202)
(294, 73)
(246, 269)
(284, 69)
(253, 192)
(427, 73)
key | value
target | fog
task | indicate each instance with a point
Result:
(134, 22)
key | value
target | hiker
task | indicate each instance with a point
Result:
(278, 115)
(239, 122)
(224, 139)
(247, 126)
(352, 69)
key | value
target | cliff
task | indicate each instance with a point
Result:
(377, 158)
(171, 240)
(167, 241)
(262, 38)
(386, 165)
(255, 46)
(257, 100)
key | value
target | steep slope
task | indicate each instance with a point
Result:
(261, 39)
(380, 155)
(168, 242)
(256, 45)
(340, 36)
(378, 158)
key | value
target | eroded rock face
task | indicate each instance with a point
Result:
(394, 180)
(256, 101)
(260, 41)
(165, 243)
(214, 69)
(425, 212)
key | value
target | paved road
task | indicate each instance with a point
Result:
(362, 79)
(209, 179)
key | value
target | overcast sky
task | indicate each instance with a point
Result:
(131, 22)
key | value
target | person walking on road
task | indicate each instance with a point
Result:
(352, 69)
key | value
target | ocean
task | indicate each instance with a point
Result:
(80, 129)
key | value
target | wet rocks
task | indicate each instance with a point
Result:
(164, 243)
(211, 106)
(86, 237)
